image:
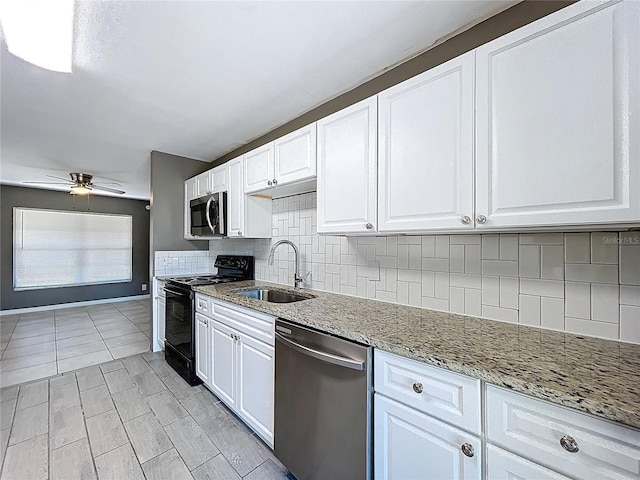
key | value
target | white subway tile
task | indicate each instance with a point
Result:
(403, 256)
(442, 285)
(630, 323)
(348, 290)
(428, 284)
(605, 302)
(391, 279)
(490, 247)
(509, 292)
(348, 259)
(529, 261)
(529, 310)
(456, 260)
(429, 246)
(367, 240)
(502, 314)
(409, 240)
(415, 294)
(472, 302)
(552, 262)
(386, 296)
(465, 240)
(465, 280)
(333, 268)
(436, 304)
(491, 290)
(591, 327)
(577, 248)
(381, 246)
(361, 287)
(543, 288)
(629, 264)
(415, 253)
(541, 239)
(604, 248)
(402, 293)
(472, 259)
(435, 264)
(442, 246)
(387, 261)
(509, 246)
(552, 313)
(392, 246)
(456, 299)
(409, 276)
(578, 272)
(506, 268)
(629, 295)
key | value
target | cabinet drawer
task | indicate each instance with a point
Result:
(502, 464)
(258, 325)
(534, 428)
(451, 397)
(203, 304)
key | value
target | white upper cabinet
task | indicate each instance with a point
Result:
(347, 169)
(202, 184)
(218, 179)
(557, 119)
(258, 168)
(247, 216)
(295, 156)
(425, 163)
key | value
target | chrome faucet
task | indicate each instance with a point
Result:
(297, 279)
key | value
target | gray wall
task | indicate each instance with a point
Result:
(12, 196)
(492, 28)
(168, 173)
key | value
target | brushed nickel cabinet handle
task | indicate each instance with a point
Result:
(369, 226)
(275, 182)
(569, 444)
(417, 387)
(467, 449)
(481, 219)
(269, 182)
(465, 220)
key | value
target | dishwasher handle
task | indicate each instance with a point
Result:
(324, 356)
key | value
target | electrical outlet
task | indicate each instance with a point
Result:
(144, 287)
(374, 270)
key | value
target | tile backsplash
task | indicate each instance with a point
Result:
(182, 262)
(584, 283)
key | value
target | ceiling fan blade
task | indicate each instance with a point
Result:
(106, 189)
(51, 183)
(107, 183)
(60, 178)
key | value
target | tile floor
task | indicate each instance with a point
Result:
(130, 419)
(41, 344)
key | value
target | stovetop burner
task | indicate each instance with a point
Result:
(231, 268)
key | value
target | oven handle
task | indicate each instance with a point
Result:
(325, 357)
(208, 215)
(168, 290)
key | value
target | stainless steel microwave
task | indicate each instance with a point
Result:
(209, 215)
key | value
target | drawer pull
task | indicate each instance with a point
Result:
(569, 444)
(417, 387)
(467, 449)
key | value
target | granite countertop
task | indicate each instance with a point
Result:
(600, 377)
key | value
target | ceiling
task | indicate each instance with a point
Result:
(199, 78)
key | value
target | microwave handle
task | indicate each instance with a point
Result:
(207, 210)
(221, 213)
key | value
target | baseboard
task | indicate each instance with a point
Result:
(44, 308)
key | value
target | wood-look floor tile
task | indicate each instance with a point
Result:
(161, 367)
(125, 340)
(36, 358)
(16, 352)
(7, 408)
(4, 443)
(89, 377)
(27, 460)
(119, 464)
(115, 330)
(28, 374)
(29, 341)
(118, 381)
(131, 349)
(9, 393)
(136, 364)
(60, 380)
(78, 332)
(216, 469)
(105, 432)
(79, 340)
(130, 404)
(30, 422)
(166, 465)
(73, 461)
(177, 385)
(82, 349)
(150, 356)
(64, 396)
(86, 360)
(166, 407)
(73, 324)
(67, 426)
(149, 383)
(33, 394)
(203, 408)
(96, 400)
(192, 443)
(112, 366)
(33, 330)
(147, 437)
(267, 471)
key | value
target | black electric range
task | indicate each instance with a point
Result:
(179, 344)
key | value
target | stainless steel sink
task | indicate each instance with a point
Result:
(273, 296)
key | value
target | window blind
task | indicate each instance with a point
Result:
(58, 248)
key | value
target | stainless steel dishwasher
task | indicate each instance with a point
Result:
(322, 405)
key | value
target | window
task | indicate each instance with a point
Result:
(58, 249)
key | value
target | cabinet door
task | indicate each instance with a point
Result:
(411, 445)
(255, 386)
(295, 156)
(203, 360)
(235, 198)
(558, 104)
(505, 465)
(202, 184)
(218, 179)
(425, 155)
(223, 362)
(347, 169)
(190, 192)
(160, 314)
(258, 168)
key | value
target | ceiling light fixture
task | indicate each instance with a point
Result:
(79, 190)
(39, 31)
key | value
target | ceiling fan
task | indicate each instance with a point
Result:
(81, 184)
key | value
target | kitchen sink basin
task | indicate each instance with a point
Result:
(273, 296)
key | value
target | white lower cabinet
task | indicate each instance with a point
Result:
(504, 465)
(159, 314)
(412, 445)
(237, 346)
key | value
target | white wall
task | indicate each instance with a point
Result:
(585, 283)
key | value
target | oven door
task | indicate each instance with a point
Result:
(208, 215)
(179, 321)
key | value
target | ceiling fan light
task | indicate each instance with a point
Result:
(40, 32)
(79, 190)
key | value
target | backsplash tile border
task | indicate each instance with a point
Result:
(559, 281)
